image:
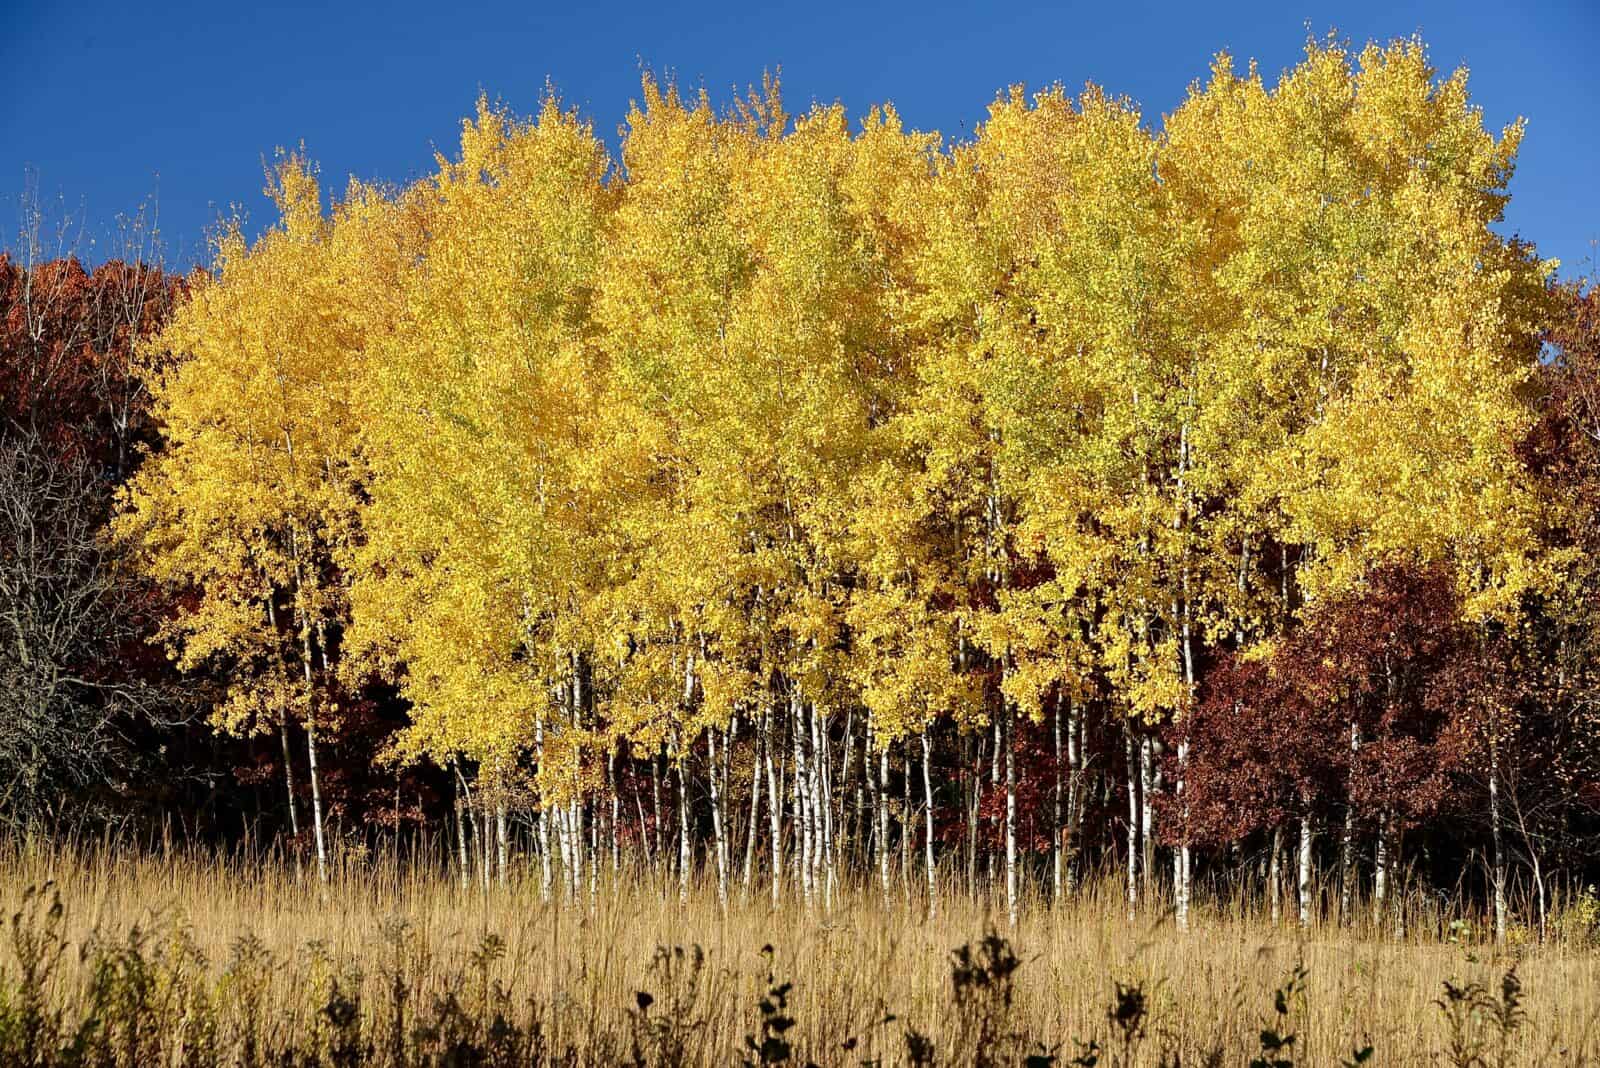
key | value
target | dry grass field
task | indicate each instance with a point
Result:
(186, 958)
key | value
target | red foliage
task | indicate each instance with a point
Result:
(67, 345)
(1386, 665)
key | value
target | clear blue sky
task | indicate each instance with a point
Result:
(110, 102)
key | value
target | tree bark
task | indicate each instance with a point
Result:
(685, 857)
(1497, 836)
(881, 838)
(774, 811)
(1305, 868)
(1056, 826)
(1075, 797)
(1011, 815)
(1182, 869)
(502, 843)
(927, 830)
(754, 824)
(1380, 870)
(288, 778)
(1130, 752)
(1347, 863)
(719, 840)
(1147, 812)
(1275, 874)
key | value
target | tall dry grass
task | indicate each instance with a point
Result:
(574, 969)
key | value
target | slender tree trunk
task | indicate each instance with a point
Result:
(560, 815)
(615, 788)
(283, 724)
(1131, 752)
(311, 759)
(1011, 815)
(822, 803)
(1347, 846)
(906, 830)
(927, 829)
(575, 821)
(774, 811)
(804, 816)
(288, 778)
(759, 755)
(1305, 866)
(1182, 869)
(502, 842)
(685, 856)
(881, 837)
(316, 800)
(1275, 874)
(1056, 827)
(839, 799)
(311, 726)
(485, 865)
(461, 841)
(1380, 869)
(594, 857)
(1076, 738)
(974, 796)
(718, 839)
(1497, 836)
(546, 874)
(1147, 813)
(1183, 864)
(644, 836)
(655, 791)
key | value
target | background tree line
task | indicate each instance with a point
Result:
(1212, 500)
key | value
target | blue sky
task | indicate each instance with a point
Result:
(112, 102)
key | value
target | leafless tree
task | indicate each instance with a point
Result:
(68, 626)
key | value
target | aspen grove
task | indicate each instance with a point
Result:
(804, 503)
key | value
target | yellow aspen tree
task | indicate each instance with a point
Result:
(250, 507)
(479, 409)
(1370, 336)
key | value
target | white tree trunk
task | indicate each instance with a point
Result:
(502, 843)
(1275, 874)
(1305, 869)
(616, 809)
(774, 812)
(1133, 820)
(1380, 870)
(1497, 836)
(288, 780)
(1347, 845)
(927, 829)
(657, 831)
(754, 822)
(881, 839)
(804, 817)
(547, 875)
(1182, 869)
(1075, 799)
(719, 840)
(316, 800)
(1056, 827)
(311, 751)
(685, 857)
(461, 842)
(1011, 816)
(1147, 813)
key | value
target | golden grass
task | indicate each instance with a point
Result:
(852, 965)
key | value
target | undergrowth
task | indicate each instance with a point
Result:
(149, 996)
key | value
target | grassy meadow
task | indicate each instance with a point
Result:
(190, 958)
